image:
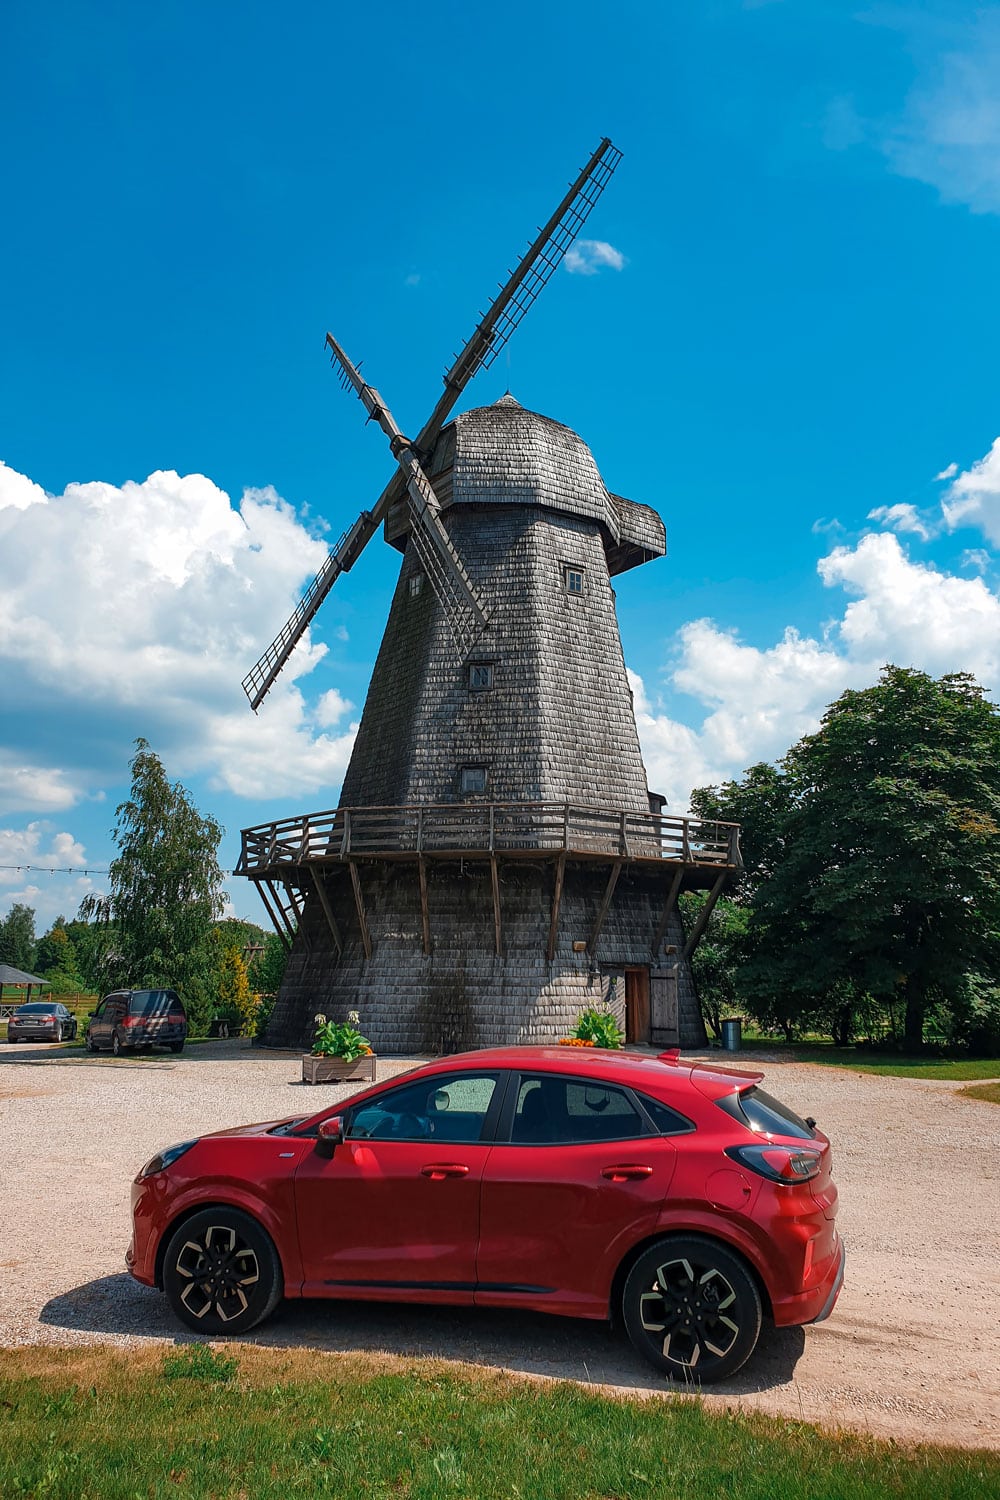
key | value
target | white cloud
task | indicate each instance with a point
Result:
(948, 473)
(973, 497)
(586, 257)
(977, 558)
(948, 134)
(44, 869)
(758, 701)
(902, 518)
(138, 610)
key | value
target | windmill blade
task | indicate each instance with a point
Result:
(523, 285)
(437, 554)
(451, 583)
(515, 296)
(341, 559)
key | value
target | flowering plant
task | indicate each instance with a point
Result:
(340, 1038)
(595, 1028)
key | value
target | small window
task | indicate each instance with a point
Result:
(666, 1120)
(765, 1115)
(473, 780)
(416, 584)
(573, 579)
(480, 676)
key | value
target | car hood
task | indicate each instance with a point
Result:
(263, 1127)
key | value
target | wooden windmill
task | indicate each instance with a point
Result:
(497, 861)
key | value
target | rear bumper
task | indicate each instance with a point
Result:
(817, 1303)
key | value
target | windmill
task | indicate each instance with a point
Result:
(497, 862)
(444, 567)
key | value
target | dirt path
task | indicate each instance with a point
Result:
(912, 1350)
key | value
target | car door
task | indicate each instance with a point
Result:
(395, 1209)
(99, 1031)
(577, 1176)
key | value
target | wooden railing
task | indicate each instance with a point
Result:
(472, 829)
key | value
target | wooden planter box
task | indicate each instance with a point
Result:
(319, 1069)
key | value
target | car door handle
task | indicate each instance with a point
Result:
(438, 1170)
(626, 1171)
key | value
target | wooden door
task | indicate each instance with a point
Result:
(637, 1005)
(664, 1024)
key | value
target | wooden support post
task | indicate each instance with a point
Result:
(360, 904)
(496, 893)
(550, 952)
(706, 912)
(324, 901)
(292, 898)
(609, 891)
(668, 909)
(275, 922)
(425, 915)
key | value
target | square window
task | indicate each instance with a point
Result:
(473, 780)
(480, 676)
(573, 578)
(416, 584)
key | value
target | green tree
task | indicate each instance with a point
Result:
(267, 969)
(236, 1000)
(17, 937)
(719, 957)
(889, 880)
(760, 804)
(165, 888)
(55, 950)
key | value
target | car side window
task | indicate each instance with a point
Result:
(101, 1010)
(449, 1109)
(552, 1110)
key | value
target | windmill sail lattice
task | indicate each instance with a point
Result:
(495, 327)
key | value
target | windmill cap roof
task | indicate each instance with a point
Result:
(504, 454)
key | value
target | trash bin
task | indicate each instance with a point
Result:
(732, 1034)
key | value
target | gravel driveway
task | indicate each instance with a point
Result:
(912, 1349)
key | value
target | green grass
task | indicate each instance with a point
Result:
(990, 1092)
(887, 1064)
(94, 1425)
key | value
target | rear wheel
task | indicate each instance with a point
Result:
(221, 1272)
(117, 1045)
(692, 1309)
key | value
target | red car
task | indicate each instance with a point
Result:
(597, 1184)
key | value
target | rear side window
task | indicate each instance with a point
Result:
(562, 1111)
(763, 1114)
(666, 1120)
(154, 1003)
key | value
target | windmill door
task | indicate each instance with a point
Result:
(664, 1024)
(637, 1005)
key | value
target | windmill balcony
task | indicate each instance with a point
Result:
(703, 850)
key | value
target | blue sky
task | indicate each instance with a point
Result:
(795, 363)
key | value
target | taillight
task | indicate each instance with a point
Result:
(176, 1018)
(130, 1020)
(787, 1164)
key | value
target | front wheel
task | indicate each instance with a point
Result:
(221, 1272)
(692, 1308)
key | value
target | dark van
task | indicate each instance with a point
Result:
(137, 1018)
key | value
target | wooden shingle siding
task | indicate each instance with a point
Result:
(522, 500)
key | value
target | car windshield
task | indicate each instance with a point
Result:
(35, 1009)
(153, 1002)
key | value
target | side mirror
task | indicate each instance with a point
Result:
(330, 1135)
(91, 1014)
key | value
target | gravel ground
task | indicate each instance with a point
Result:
(912, 1350)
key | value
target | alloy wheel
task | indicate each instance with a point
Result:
(218, 1270)
(693, 1309)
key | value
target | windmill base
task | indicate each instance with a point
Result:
(463, 993)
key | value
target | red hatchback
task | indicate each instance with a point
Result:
(682, 1199)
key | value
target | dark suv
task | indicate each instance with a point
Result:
(137, 1018)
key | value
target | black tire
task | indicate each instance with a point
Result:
(118, 1047)
(221, 1272)
(692, 1308)
(89, 1043)
(177, 1046)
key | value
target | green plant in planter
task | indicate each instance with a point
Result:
(340, 1038)
(599, 1028)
